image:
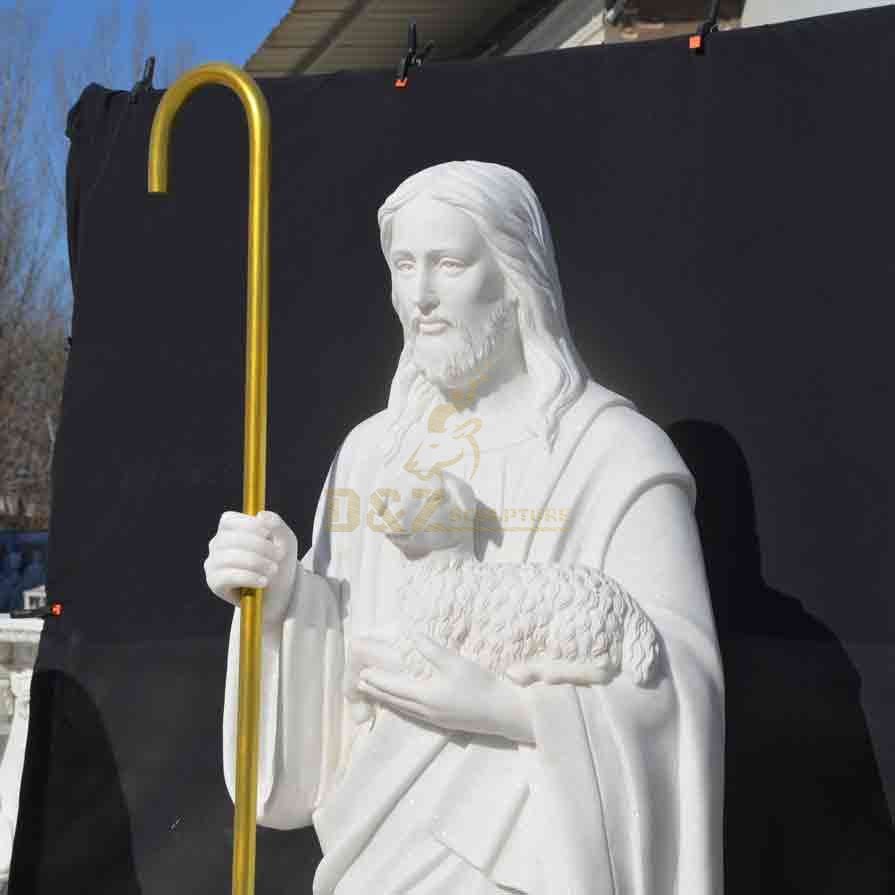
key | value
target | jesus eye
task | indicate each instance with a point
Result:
(451, 265)
(405, 265)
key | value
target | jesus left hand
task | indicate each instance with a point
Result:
(459, 695)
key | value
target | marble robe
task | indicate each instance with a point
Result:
(622, 792)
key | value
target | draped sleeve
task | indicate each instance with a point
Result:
(631, 777)
(301, 730)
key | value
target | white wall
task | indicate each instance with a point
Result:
(767, 12)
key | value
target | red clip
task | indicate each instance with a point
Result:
(56, 609)
(698, 40)
(401, 82)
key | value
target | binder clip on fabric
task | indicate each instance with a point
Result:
(50, 610)
(145, 83)
(614, 12)
(411, 57)
(697, 41)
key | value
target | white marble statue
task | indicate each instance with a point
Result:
(562, 624)
(550, 775)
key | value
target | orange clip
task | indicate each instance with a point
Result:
(695, 41)
(401, 82)
(56, 609)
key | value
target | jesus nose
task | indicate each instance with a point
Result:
(425, 299)
(426, 304)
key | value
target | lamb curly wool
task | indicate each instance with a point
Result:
(504, 615)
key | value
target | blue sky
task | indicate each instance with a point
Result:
(221, 30)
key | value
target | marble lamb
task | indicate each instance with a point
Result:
(528, 621)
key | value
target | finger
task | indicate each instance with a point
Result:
(361, 712)
(349, 688)
(568, 674)
(522, 674)
(364, 652)
(592, 673)
(532, 671)
(233, 521)
(395, 684)
(402, 703)
(438, 655)
(582, 673)
(599, 675)
(368, 652)
(272, 520)
(230, 579)
(281, 534)
(352, 674)
(243, 559)
(244, 540)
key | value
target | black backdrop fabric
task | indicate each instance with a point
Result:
(724, 233)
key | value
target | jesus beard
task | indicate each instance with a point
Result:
(480, 349)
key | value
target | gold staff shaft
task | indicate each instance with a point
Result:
(255, 457)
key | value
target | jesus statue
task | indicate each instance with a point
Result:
(525, 760)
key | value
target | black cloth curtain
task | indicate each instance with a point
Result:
(724, 234)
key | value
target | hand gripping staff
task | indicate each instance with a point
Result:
(255, 458)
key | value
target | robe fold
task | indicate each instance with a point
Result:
(621, 794)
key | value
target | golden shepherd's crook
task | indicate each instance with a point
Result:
(255, 459)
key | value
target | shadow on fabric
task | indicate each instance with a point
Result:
(87, 835)
(805, 808)
(84, 775)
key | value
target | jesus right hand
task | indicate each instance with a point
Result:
(253, 551)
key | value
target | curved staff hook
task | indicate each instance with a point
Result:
(255, 457)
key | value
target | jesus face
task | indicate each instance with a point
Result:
(450, 292)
